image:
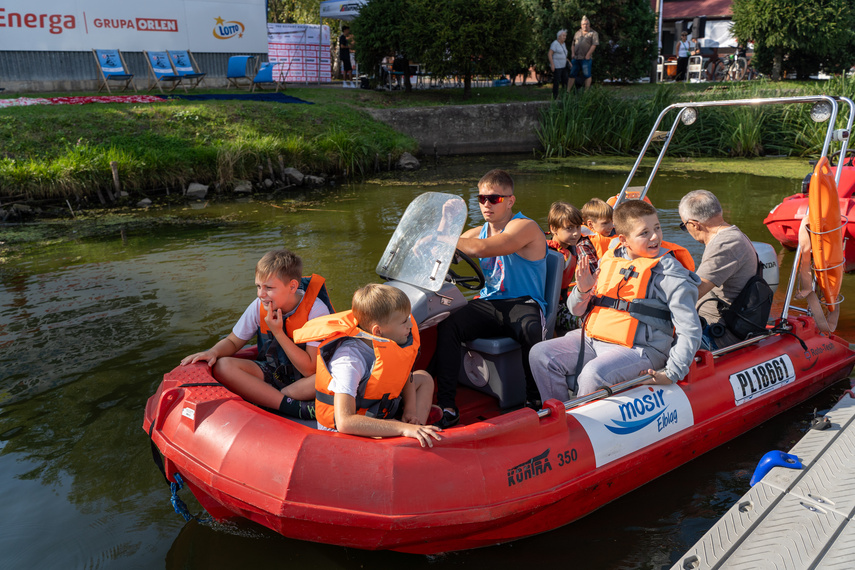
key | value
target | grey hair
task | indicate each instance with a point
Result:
(585, 19)
(700, 205)
(558, 35)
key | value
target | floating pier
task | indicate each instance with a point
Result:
(793, 518)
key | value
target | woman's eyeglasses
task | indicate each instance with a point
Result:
(492, 198)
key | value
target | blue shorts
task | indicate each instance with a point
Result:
(585, 64)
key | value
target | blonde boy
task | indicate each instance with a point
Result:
(597, 216)
(282, 376)
(620, 342)
(365, 369)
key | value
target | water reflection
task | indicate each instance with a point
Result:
(87, 330)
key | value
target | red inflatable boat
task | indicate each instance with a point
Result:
(500, 475)
(783, 221)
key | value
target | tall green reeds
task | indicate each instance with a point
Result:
(599, 121)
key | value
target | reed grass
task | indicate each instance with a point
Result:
(600, 121)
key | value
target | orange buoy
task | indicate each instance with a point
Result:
(826, 232)
(629, 195)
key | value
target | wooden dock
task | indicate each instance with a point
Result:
(792, 518)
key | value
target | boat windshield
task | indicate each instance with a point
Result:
(422, 247)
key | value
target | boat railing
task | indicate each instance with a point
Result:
(825, 108)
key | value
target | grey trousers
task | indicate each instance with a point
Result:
(553, 365)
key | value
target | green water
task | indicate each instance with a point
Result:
(88, 328)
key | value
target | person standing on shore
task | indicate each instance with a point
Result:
(558, 62)
(683, 53)
(585, 41)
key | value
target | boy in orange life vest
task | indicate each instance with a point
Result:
(642, 315)
(565, 221)
(282, 378)
(597, 216)
(365, 369)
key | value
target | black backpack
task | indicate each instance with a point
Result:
(749, 312)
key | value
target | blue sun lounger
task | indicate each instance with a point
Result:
(265, 76)
(162, 70)
(185, 65)
(237, 72)
(112, 67)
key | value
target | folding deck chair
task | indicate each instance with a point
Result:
(112, 66)
(185, 65)
(265, 76)
(162, 70)
(239, 71)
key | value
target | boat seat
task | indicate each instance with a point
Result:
(494, 365)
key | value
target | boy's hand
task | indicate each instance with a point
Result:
(659, 379)
(207, 356)
(585, 280)
(274, 321)
(422, 433)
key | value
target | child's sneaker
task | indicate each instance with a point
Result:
(448, 419)
(434, 415)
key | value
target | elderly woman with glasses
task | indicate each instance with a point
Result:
(684, 50)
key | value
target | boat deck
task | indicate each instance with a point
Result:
(793, 518)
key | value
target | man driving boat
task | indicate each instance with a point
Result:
(512, 251)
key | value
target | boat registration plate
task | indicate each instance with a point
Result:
(762, 378)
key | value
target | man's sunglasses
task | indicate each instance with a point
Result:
(683, 225)
(492, 198)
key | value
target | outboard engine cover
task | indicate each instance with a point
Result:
(769, 259)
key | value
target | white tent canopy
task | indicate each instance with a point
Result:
(345, 10)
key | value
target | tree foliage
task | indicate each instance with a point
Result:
(625, 28)
(456, 37)
(797, 35)
(293, 11)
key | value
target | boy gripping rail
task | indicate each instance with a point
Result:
(282, 376)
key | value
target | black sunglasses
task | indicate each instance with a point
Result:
(492, 198)
(683, 225)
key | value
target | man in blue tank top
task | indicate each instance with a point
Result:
(512, 250)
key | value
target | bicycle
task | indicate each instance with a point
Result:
(736, 67)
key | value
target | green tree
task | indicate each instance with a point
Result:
(381, 29)
(293, 11)
(456, 37)
(625, 28)
(800, 35)
(469, 37)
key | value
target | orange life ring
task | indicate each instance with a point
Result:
(826, 232)
(629, 195)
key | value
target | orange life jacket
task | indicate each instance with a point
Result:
(613, 316)
(268, 348)
(380, 394)
(601, 243)
(681, 253)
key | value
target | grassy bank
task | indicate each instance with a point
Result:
(65, 151)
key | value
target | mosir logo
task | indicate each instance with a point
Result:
(224, 30)
(640, 412)
(632, 420)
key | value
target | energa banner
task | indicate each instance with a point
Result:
(225, 26)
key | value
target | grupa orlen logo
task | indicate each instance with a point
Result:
(224, 30)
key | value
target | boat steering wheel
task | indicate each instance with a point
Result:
(837, 159)
(473, 282)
